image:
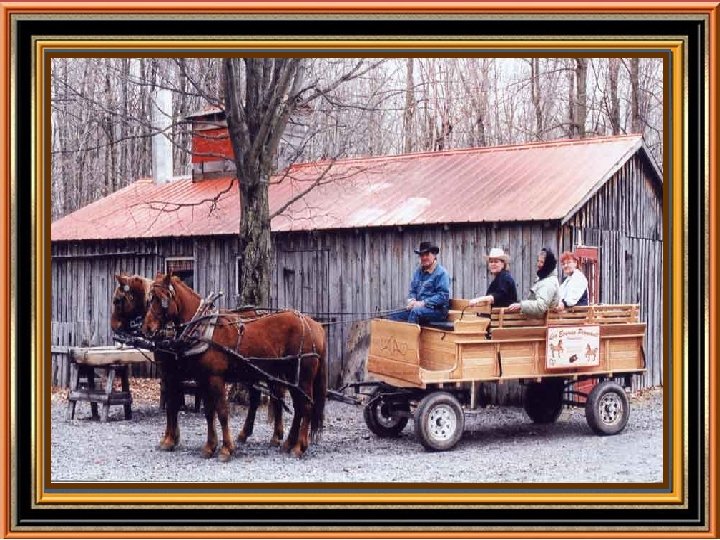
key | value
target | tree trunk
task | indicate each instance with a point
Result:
(257, 114)
(571, 104)
(613, 100)
(581, 96)
(255, 246)
(409, 106)
(635, 117)
(536, 98)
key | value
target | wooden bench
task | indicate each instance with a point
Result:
(594, 314)
(469, 319)
(87, 363)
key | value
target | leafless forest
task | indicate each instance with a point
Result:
(102, 128)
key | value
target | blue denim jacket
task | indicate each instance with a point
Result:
(433, 289)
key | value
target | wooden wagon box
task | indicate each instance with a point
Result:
(492, 345)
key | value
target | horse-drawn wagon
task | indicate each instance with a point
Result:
(434, 374)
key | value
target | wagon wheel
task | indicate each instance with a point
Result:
(543, 401)
(607, 409)
(382, 417)
(439, 421)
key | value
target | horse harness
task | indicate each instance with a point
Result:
(198, 331)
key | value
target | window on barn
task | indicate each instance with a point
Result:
(182, 267)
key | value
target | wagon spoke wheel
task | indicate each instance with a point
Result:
(607, 409)
(543, 401)
(385, 418)
(439, 421)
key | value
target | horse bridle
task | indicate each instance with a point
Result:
(128, 298)
(164, 300)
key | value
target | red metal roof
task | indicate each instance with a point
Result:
(543, 181)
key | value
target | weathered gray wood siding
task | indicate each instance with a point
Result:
(83, 283)
(625, 219)
(339, 276)
(342, 276)
(369, 270)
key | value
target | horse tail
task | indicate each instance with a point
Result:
(319, 392)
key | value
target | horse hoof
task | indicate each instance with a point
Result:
(242, 438)
(207, 453)
(297, 452)
(166, 445)
(275, 441)
(285, 447)
(224, 456)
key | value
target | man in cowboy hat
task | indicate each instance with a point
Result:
(502, 290)
(429, 296)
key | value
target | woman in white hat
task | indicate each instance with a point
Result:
(502, 291)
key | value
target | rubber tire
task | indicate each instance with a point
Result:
(601, 409)
(543, 401)
(443, 409)
(381, 425)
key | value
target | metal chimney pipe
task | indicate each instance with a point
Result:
(162, 159)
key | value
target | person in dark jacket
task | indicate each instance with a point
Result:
(502, 290)
(429, 295)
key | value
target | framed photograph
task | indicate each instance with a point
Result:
(138, 142)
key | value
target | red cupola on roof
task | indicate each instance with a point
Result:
(212, 154)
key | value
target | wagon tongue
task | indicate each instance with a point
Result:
(339, 396)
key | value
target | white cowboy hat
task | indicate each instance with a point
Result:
(498, 253)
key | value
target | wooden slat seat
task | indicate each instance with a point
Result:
(500, 319)
(595, 314)
(459, 304)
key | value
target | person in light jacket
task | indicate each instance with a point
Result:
(574, 288)
(545, 293)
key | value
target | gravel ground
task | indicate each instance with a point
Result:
(500, 444)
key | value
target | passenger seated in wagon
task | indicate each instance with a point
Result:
(502, 290)
(574, 288)
(545, 293)
(429, 295)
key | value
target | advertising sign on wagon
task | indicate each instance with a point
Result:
(572, 346)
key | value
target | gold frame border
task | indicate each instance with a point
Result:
(708, 9)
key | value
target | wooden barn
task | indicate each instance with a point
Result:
(345, 249)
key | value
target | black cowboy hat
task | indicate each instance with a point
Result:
(427, 247)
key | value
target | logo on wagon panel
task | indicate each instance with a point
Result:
(573, 346)
(393, 348)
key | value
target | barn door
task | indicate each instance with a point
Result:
(302, 281)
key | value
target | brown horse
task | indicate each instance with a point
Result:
(288, 346)
(130, 302)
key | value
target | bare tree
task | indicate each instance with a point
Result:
(537, 96)
(409, 106)
(613, 101)
(635, 100)
(260, 96)
(580, 104)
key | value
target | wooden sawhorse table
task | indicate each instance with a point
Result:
(114, 363)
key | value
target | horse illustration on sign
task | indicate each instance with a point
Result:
(575, 346)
